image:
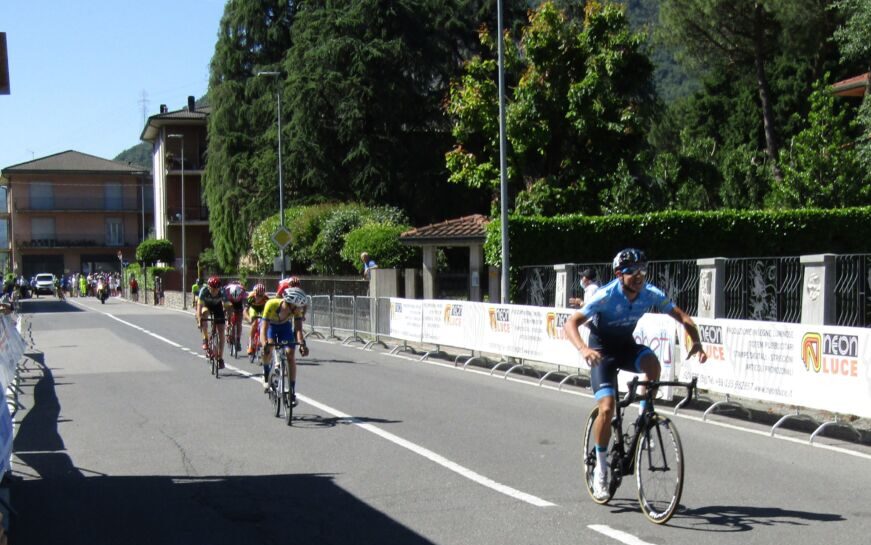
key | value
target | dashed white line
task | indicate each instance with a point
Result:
(619, 535)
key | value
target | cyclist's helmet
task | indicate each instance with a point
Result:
(295, 296)
(289, 282)
(259, 290)
(214, 282)
(630, 257)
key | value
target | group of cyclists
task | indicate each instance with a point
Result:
(275, 321)
(611, 314)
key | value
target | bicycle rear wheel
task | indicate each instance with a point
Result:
(213, 348)
(659, 470)
(588, 457)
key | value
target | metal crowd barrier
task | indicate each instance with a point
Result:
(319, 317)
(343, 317)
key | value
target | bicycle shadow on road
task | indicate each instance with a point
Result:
(743, 518)
(302, 420)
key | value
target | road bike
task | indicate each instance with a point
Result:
(254, 341)
(234, 332)
(212, 345)
(652, 451)
(279, 389)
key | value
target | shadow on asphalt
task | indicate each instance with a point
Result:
(730, 518)
(46, 306)
(77, 506)
(743, 518)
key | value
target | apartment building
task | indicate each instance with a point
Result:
(178, 140)
(73, 212)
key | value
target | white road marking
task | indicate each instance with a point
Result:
(620, 536)
(432, 456)
(395, 439)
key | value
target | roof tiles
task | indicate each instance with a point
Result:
(465, 228)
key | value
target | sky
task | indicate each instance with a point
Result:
(85, 75)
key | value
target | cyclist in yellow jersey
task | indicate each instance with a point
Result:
(281, 324)
(256, 301)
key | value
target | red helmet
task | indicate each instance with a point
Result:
(259, 290)
(214, 282)
(289, 282)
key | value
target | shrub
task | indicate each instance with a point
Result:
(381, 241)
(153, 250)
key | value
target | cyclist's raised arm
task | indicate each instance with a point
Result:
(692, 330)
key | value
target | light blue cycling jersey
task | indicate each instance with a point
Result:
(613, 317)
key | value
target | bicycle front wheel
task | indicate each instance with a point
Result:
(277, 380)
(588, 457)
(659, 470)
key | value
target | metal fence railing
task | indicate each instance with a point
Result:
(319, 317)
(853, 290)
(764, 288)
(343, 316)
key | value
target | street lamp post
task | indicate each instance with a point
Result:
(184, 263)
(276, 75)
(503, 170)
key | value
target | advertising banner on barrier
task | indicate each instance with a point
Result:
(11, 350)
(450, 323)
(815, 366)
(406, 319)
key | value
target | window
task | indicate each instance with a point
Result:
(41, 196)
(114, 232)
(42, 228)
(113, 196)
(4, 235)
(4, 202)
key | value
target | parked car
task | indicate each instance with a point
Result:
(45, 283)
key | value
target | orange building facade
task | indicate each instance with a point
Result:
(72, 212)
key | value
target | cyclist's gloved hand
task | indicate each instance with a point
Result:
(303, 350)
(697, 349)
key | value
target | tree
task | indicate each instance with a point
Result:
(852, 37)
(241, 175)
(155, 250)
(580, 98)
(821, 168)
(746, 34)
(366, 79)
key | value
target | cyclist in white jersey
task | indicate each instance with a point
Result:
(612, 314)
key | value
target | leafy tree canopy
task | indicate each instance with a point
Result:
(579, 101)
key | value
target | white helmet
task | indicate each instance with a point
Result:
(295, 296)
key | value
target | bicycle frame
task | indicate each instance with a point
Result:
(623, 459)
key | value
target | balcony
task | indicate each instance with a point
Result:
(84, 203)
(193, 215)
(82, 240)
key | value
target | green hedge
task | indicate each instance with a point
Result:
(681, 235)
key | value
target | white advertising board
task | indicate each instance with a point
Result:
(406, 319)
(813, 366)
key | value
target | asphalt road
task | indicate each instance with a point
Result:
(125, 438)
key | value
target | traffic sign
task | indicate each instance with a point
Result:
(281, 237)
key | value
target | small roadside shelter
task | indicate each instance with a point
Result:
(467, 231)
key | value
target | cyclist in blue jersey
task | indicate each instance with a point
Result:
(611, 315)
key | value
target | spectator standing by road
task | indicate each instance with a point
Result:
(368, 264)
(589, 283)
(134, 288)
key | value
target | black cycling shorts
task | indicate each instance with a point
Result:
(603, 377)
